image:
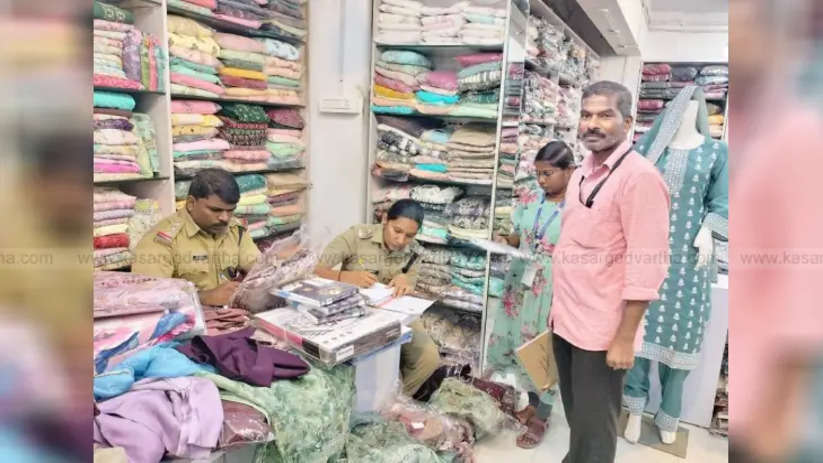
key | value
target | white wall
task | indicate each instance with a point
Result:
(685, 46)
(338, 143)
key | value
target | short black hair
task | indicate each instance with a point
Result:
(407, 208)
(609, 88)
(218, 182)
(556, 153)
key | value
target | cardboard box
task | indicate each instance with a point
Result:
(537, 358)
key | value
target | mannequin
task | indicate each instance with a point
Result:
(695, 168)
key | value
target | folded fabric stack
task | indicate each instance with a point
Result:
(547, 46)
(244, 128)
(468, 218)
(435, 200)
(285, 18)
(438, 92)
(657, 72)
(124, 142)
(540, 102)
(715, 81)
(434, 279)
(647, 112)
(283, 195)
(401, 149)
(253, 208)
(574, 65)
(471, 154)
(245, 13)
(716, 120)
(383, 198)
(503, 208)
(399, 22)
(146, 215)
(485, 26)
(443, 25)
(193, 58)
(568, 106)
(683, 76)
(241, 66)
(201, 7)
(133, 312)
(509, 151)
(479, 84)
(284, 138)
(124, 57)
(398, 73)
(112, 210)
(457, 334)
(513, 93)
(468, 271)
(195, 130)
(283, 71)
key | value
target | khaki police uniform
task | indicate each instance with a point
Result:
(178, 248)
(361, 248)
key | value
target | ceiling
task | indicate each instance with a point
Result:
(689, 6)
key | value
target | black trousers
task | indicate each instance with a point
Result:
(591, 393)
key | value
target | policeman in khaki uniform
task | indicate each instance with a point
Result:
(387, 253)
(203, 242)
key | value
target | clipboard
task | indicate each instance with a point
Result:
(537, 358)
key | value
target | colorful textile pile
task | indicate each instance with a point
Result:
(283, 195)
(479, 84)
(456, 333)
(284, 138)
(112, 210)
(193, 63)
(435, 201)
(399, 21)
(383, 198)
(244, 128)
(125, 145)
(283, 69)
(434, 279)
(509, 151)
(195, 131)
(125, 57)
(471, 154)
(485, 26)
(541, 95)
(715, 81)
(468, 218)
(397, 76)
(133, 312)
(443, 25)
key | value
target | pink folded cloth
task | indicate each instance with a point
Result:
(115, 167)
(214, 144)
(392, 84)
(247, 155)
(210, 4)
(100, 80)
(285, 132)
(116, 204)
(446, 80)
(478, 58)
(194, 82)
(285, 139)
(243, 22)
(239, 43)
(194, 107)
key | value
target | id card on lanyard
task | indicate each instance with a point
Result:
(538, 235)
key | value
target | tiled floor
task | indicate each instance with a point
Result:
(703, 447)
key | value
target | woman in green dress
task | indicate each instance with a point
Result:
(527, 293)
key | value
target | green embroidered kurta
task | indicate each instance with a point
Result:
(698, 184)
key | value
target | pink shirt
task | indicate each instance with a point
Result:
(615, 251)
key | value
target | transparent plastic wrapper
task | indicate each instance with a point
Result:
(283, 262)
(443, 433)
(375, 440)
(146, 215)
(462, 400)
(243, 424)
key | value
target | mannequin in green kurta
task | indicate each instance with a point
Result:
(526, 301)
(695, 168)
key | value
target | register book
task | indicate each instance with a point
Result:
(336, 342)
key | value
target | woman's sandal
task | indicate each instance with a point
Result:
(534, 433)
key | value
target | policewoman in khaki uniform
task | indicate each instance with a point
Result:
(387, 253)
(203, 242)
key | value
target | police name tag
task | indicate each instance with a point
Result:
(529, 274)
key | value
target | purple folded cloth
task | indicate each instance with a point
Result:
(237, 356)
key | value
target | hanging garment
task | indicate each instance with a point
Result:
(698, 182)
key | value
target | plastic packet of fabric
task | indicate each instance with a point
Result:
(374, 440)
(146, 215)
(443, 433)
(462, 400)
(283, 262)
(243, 424)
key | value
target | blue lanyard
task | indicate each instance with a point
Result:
(539, 236)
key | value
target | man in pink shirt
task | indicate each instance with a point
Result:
(610, 260)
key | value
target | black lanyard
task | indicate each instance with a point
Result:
(590, 200)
